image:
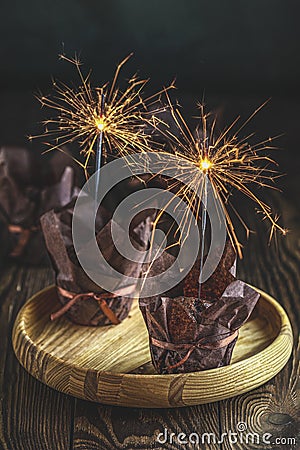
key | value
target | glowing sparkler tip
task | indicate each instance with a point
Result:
(205, 164)
(100, 125)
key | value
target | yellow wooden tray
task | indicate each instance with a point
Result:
(94, 363)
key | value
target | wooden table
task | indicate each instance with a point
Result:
(33, 416)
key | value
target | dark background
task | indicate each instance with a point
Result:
(238, 53)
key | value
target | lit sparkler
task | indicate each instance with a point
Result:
(227, 162)
(99, 119)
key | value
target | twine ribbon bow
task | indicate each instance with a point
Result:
(23, 238)
(100, 299)
(190, 347)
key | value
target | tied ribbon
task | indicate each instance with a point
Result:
(100, 299)
(190, 347)
(23, 238)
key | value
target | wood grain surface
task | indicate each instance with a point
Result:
(26, 406)
(99, 363)
(33, 416)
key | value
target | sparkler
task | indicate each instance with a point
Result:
(105, 117)
(227, 162)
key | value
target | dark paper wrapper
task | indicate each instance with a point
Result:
(26, 192)
(4, 236)
(72, 280)
(187, 334)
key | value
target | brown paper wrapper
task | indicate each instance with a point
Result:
(187, 334)
(85, 302)
(4, 236)
(26, 192)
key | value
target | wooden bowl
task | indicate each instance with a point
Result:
(94, 363)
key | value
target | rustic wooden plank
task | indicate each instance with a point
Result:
(110, 428)
(265, 414)
(273, 408)
(32, 416)
(6, 281)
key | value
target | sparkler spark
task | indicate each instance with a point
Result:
(82, 116)
(205, 164)
(227, 161)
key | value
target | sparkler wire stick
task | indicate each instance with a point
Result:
(204, 198)
(99, 149)
(203, 229)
